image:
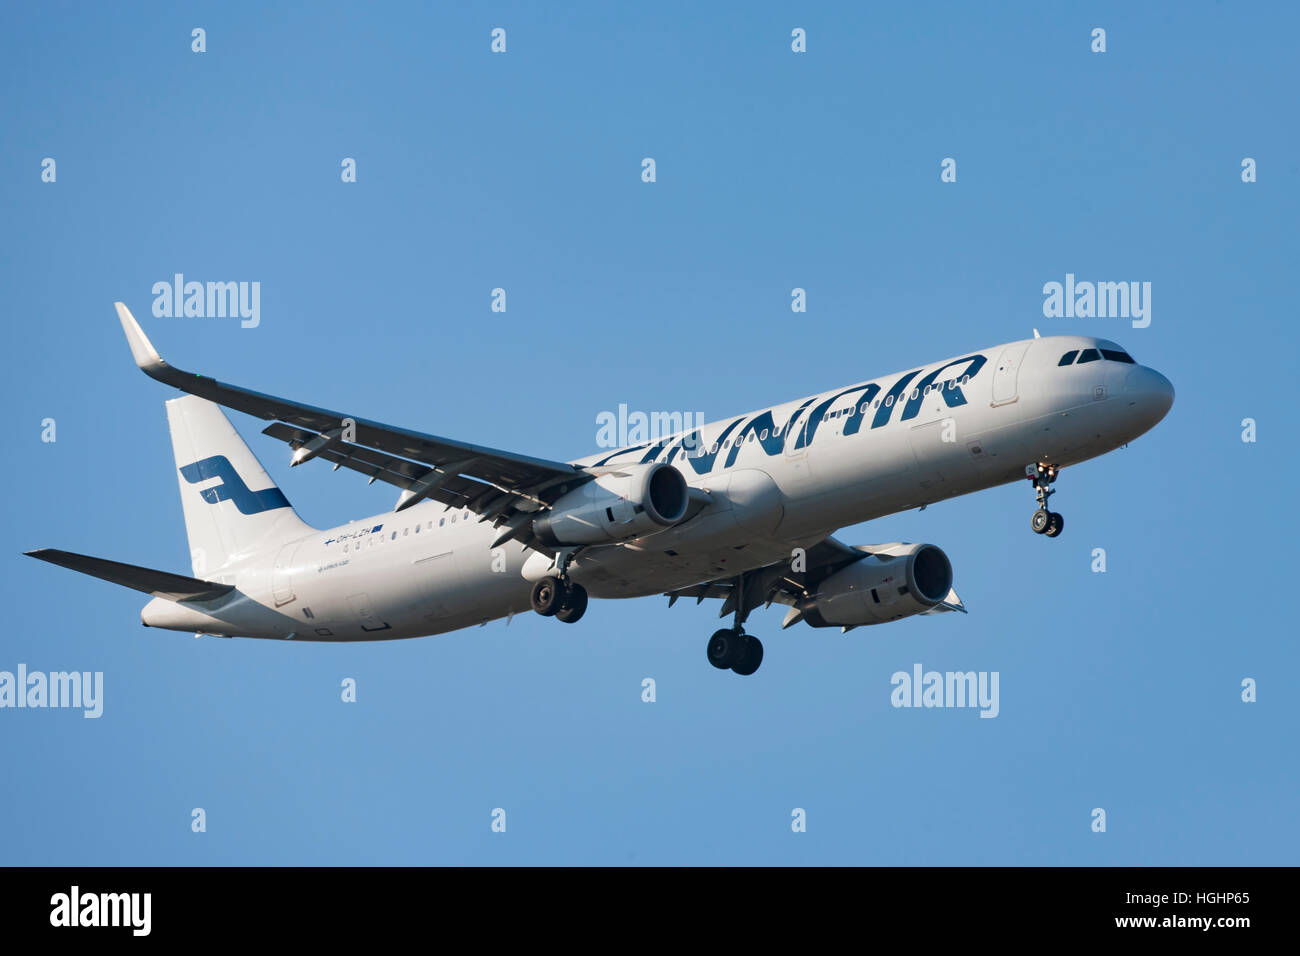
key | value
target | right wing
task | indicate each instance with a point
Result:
(502, 487)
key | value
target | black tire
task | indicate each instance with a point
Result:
(725, 649)
(574, 604)
(1055, 526)
(547, 597)
(753, 657)
(1041, 520)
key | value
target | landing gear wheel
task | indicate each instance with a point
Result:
(574, 604)
(1043, 474)
(547, 598)
(726, 649)
(752, 658)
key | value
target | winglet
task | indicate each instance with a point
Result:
(146, 356)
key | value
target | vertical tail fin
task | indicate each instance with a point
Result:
(231, 505)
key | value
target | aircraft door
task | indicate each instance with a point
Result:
(441, 584)
(281, 580)
(1005, 376)
(796, 452)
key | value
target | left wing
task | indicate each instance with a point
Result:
(776, 583)
(503, 487)
(780, 584)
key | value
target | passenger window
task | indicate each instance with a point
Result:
(1068, 357)
(889, 401)
(763, 436)
(1117, 356)
(441, 522)
(394, 537)
(417, 529)
(1089, 355)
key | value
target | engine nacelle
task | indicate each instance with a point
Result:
(636, 501)
(891, 582)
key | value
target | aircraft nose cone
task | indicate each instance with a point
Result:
(1161, 391)
(1150, 394)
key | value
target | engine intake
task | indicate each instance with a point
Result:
(891, 582)
(634, 501)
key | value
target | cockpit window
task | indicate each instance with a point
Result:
(1089, 355)
(1068, 357)
(1115, 356)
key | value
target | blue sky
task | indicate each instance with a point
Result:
(774, 170)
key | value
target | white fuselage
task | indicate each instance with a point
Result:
(799, 471)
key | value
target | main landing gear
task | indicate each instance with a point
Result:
(1045, 522)
(731, 648)
(558, 597)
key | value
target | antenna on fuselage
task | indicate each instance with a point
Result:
(1036, 335)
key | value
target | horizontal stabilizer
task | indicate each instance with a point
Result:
(163, 584)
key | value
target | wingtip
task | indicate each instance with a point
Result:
(142, 350)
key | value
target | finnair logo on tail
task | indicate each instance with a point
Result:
(232, 487)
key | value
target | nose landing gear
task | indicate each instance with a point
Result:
(1044, 522)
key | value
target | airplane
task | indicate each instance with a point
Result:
(741, 509)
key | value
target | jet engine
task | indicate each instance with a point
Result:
(890, 582)
(633, 501)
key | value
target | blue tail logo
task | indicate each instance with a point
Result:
(232, 487)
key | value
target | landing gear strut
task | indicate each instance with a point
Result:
(1045, 522)
(731, 648)
(560, 597)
